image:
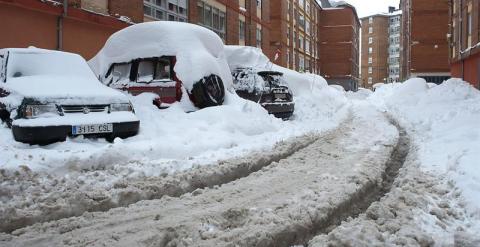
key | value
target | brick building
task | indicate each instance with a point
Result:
(237, 22)
(464, 40)
(375, 44)
(294, 36)
(424, 28)
(81, 28)
(339, 52)
(381, 48)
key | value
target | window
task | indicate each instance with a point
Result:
(241, 30)
(469, 25)
(370, 70)
(370, 60)
(370, 50)
(165, 10)
(211, 18)
(307, 46)
(145, 71)
(370, 30)
(370, 20)
(162, 70)
(370, 80)
(121, 73)
(259, 37)
(147, 10)
(370, 40)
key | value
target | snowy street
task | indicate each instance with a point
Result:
(239, 123)
(283, 204)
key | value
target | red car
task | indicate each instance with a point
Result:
(146, 57)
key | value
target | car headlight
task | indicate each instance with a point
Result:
(34, 111)
(121, 107)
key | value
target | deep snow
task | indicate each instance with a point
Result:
(435, 199)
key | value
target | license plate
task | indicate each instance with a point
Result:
(92, 129)
(280, 96)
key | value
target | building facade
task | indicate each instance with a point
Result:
(464, 37)
(375, 50)
(165, 10)
(294, 38)
(394, 46)
(237, 22)
(339, 30)
(425, 24)
(83, 28)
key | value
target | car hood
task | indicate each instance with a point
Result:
(66, 89)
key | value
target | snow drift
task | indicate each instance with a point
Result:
(444, 122)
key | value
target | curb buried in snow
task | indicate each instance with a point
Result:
(296, 183)
(126, 193)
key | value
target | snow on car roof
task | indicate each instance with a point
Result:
(198, 51)
(46, 74)
(34, 61)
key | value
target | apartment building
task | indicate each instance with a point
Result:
(339, 29)
(237, 22)
(394, 45)
(464, 37)
(165, 10)
(294, 37)
(425, 24)
(375, 50)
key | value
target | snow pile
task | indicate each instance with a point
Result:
(252, 57)
(443, 121)
(197, 50)
(171, 140)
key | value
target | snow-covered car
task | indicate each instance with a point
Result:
(163, 58)
(268, 88)
(47, 95)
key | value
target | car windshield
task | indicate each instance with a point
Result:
(274, 80)
(22, 64)
(121, 73)
(154, 70)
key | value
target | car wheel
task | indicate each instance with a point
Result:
(5, 117)
(209, 91)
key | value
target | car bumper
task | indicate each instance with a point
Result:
(43, 135)
(280, 110)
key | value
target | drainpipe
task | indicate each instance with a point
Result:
(60, 26)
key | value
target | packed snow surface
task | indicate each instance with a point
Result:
(435, 198)
(197, 50)
(444, 121)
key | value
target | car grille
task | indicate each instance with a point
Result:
(84, 108)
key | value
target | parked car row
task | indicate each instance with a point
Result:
(46, 96)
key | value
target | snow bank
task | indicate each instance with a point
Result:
(198, 51)
(247, 56)
(172, 136)
(444, 122)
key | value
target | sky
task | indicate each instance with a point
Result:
(370, 7)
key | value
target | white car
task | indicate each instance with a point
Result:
(47, 95)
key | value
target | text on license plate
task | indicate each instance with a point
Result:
(92, 129)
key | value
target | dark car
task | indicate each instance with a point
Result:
(267, 88)
(46, 96)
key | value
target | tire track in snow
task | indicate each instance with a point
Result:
(283, 204)
(65, 200)
(371, 193)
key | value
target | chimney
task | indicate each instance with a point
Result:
(391, 9)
